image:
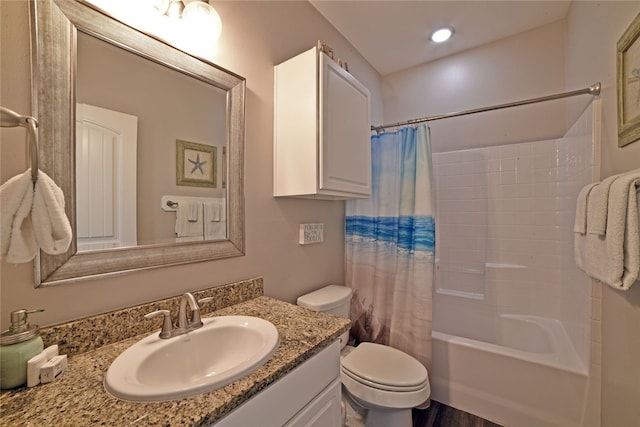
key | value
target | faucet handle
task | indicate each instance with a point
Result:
(205, 300)
(195, 316)
(167, 326)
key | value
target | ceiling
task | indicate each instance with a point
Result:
(394, 35)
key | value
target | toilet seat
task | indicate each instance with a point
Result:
(384, 367)
(384, 376)
(384, 387)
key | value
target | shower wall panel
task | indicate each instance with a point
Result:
(505, 218)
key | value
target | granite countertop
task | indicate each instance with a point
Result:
(78, 397)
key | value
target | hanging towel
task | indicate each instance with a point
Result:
(33, 217)
(597, 206)
(213, 211)
(193, 211)
(614, 258)
(186, 229)
(215, 224)
(51, 226)
(17, 241)
(580, 224)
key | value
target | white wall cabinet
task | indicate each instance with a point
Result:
(308, 396)
(321, 130)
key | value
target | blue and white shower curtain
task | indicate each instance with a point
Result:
(390, 242)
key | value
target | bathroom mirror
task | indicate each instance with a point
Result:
(60, 30)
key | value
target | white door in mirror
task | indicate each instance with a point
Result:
(106, 153)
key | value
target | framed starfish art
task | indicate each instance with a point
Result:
(628, 65)
(196, 164)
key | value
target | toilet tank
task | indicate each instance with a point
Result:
(332, 299)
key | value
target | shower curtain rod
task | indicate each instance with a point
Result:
(593, 90)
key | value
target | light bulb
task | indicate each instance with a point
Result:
(204, 19)
(441, 35)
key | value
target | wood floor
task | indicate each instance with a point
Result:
(440, 415)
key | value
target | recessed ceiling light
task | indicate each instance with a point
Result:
(441, 34)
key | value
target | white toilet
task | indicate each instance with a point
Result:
(385, 381)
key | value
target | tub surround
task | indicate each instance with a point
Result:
(523, 354)
(78, 396)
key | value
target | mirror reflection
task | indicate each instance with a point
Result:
(144, 131)
(145, 141)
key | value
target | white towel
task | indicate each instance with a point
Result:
(580, 224)
(215, 224)
(17, 242)
(614, 258)
(193, 211)
(33, 217)
(597, 206)
(215, 210)
(51, 226)
(185, 228)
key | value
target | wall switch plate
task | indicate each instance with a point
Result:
(311, 233)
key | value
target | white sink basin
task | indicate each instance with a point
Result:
(223, 350)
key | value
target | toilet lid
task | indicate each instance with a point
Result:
(384, 367)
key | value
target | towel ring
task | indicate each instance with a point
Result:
(10, 119)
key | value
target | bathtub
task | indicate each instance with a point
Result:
(527, 375)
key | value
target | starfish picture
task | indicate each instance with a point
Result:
(197, 164)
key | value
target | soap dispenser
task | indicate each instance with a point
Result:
(18, 344)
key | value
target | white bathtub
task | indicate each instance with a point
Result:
(538, 382)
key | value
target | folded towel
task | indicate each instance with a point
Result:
(215, 224)
(597, 206)
(215, 230)
(213, 211)
(580, 224)
(184, 227)
(51, 226)
(17, 242)
(193, 210)
(614, 258)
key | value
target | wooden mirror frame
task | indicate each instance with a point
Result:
(54, 27)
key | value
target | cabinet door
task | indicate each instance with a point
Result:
(345, 153)
(323, 411)
(298, 391)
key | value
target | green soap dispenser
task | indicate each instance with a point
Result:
(18, 344)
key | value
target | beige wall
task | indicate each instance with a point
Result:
(527, 65)
(593, 29)
(256, 36)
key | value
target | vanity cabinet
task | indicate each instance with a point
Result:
(308, 396)
(322, 147)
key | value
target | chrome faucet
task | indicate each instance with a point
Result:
(184, 325)
(196, 322)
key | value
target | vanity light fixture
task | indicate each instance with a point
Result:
(174, 8)
(441, 34)
(200, 14)
(197, 14)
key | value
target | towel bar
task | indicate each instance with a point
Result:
(9, 118)
(170, 203)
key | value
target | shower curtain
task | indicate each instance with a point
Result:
(390, 242)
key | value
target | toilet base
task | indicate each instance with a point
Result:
(389, 417)
(354, 415)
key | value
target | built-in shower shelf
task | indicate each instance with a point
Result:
(501, 265)
(461, 294)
